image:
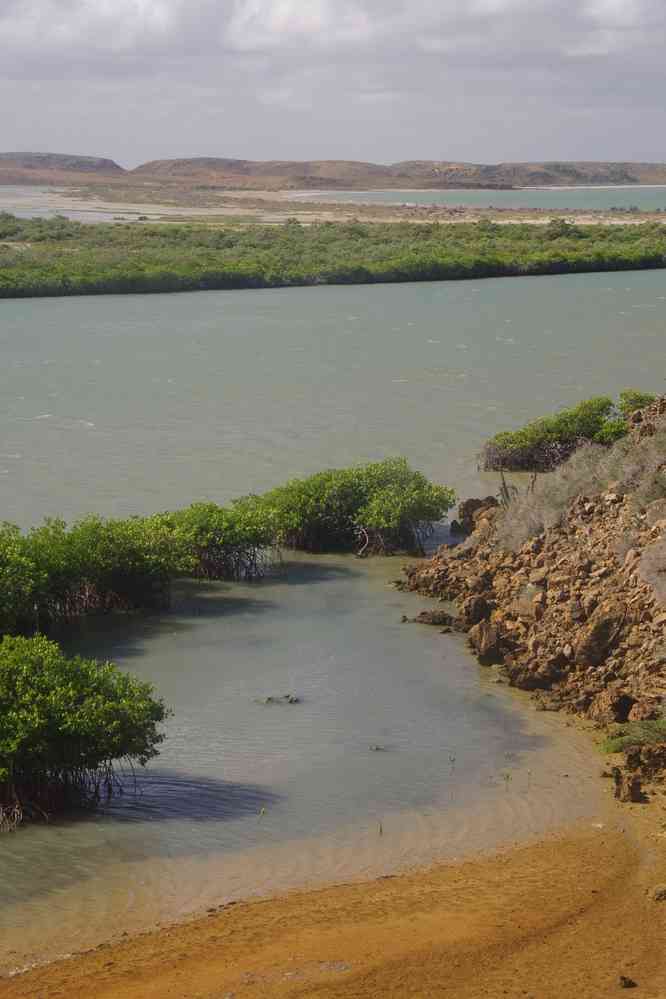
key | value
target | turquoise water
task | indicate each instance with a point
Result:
(646, 199)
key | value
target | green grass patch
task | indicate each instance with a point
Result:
(629, 734)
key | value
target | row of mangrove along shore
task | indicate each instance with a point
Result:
(65, 723)
(41, 257)
(561, 584)
(560, 587)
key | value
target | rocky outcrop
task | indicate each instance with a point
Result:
(573, 615)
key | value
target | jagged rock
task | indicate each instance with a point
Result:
(611, 705)
(436, 617)
(471, 510)
(650, 760)
(627, 983)
(600, 633)
(658, 894)
(568, 612)
(645, 709)
(473, 610)
(484, 639)
(628, 786)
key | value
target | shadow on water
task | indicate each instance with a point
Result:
(163, 795)
(87, 837)
(124, 635)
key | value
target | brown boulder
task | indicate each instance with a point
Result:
(470, 510)
(645, 709)
(600, 633)
(612, 705)
(627, 786)
(473, 610)
(484, 639)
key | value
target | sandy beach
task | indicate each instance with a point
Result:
(563, 918)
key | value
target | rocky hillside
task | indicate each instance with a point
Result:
(347, 174)
(575, 613)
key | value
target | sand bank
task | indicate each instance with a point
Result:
(564, 917)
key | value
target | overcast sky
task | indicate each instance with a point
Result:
(382, 80)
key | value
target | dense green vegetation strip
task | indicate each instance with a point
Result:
(65, 722)
(544, 443)
(58, 257)
(55, 573)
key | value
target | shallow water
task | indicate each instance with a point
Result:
(642, 197)
(396, 755)
(130, 404)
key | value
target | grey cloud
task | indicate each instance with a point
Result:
(382, 79)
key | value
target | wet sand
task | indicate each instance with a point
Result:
(562, 918)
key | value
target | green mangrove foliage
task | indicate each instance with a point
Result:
(544, 443)
(383, 506)
(55, 573)
(59, 257)
(64, 724)
(227, 542)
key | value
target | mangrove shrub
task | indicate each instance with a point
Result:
(542, 444)
(65, 723)
(379, 507)
(60, 257)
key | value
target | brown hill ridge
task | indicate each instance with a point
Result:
(225, 173)
(59, 161)
(410, 173)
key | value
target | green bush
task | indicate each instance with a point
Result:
(226, 542)
(384, 505)
(544, 443)
(64, 723)
(631, 399)
(630, 734)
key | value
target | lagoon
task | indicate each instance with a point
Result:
(401, 750)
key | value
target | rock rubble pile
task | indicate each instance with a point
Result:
(576, 614)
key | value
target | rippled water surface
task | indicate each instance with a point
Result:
(400, 749)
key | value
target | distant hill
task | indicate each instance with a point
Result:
(410, 173)
(205, 172)
(58, 161)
